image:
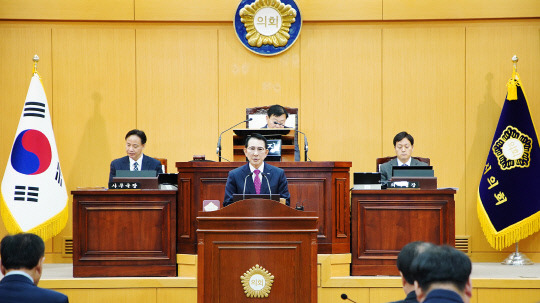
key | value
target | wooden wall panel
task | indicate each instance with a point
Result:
(423, 94)
(117, 295)
(177, 295)
(177, 100)
(67, 9)
(248, 80)
(489, 66)
(193, 10)
(460, 9)
(18, 47)
(341, 94)
(94, 93)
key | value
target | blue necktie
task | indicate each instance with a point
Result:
(135, 166)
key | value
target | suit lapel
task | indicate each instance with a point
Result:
(250, 187)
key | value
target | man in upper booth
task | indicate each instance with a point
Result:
(403, 144)
(276, 115)
(135, 159)
(256, 175)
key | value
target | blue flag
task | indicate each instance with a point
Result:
(509, 191)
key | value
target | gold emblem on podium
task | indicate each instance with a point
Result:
(257, 282)
(513, 149)
(267, 22)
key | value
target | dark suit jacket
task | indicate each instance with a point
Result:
(386, 168)
(148, 163)
(411, 298)
(443, 296)
(275, 176)
(19, 289)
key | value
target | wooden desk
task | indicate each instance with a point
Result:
(322, 187)
(247, 233)
(383, 221)
(118, 233)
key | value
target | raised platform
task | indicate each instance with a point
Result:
(492, 283)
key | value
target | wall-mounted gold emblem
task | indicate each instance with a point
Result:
(257, 282)
(267, 22)
(513, 149)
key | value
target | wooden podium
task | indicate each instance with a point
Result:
(383, 221)
(322, 187)
(285, 134)
(235, 240)
(119, 233)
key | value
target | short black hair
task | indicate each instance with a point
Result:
(258, 137)
(277, 110)
(138, 133)
(402, 135)
(441, 264)
(22, 250)
(406, 257)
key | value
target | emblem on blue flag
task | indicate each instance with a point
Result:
(267, 27)
(509, 193)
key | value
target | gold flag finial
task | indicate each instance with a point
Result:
(36, 60)
(513, 82)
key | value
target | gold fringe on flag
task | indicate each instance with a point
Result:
(510, 235)
(512, 85)
(45, 230)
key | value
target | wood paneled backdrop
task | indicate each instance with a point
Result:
(360, 72)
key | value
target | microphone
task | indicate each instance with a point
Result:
(244, 192)
(269, 189)
(344, 297)
(305, 140)
(218, 150)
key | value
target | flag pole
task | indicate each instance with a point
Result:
(516, 258)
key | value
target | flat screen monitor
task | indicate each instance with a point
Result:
(238, 197)
(412, 171)
(136, 173)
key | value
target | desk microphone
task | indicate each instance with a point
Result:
(244, 192)
(344, 297)
(269, 189)
(218, 150)
(305, 140)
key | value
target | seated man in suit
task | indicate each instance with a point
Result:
(403, 144)
(135, 160)
(442, 275)
(275, 118)
(256, 175)
(404, 261)
(22, 264)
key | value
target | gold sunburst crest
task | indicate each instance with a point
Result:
(257, 282)
(513, 149)
(267, 22)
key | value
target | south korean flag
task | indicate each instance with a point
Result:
(34, 196)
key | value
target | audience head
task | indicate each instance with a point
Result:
(135, 142)
(256, 149)
(406, 257)
(442, 267)
(23, 252)
(403, 144)
(276, 116)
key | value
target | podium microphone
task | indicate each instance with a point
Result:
(218, 150)
(344, 297)
(244, 192)
(305, 140)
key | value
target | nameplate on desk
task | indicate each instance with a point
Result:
(404, 184)
(124, 185)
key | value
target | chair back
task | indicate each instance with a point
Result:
(386, 159)
(163, 164)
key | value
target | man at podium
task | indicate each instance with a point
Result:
(256, 177)
(403, 144)
(135, 159)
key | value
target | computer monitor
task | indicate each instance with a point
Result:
(412, 171)
(136, 173)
